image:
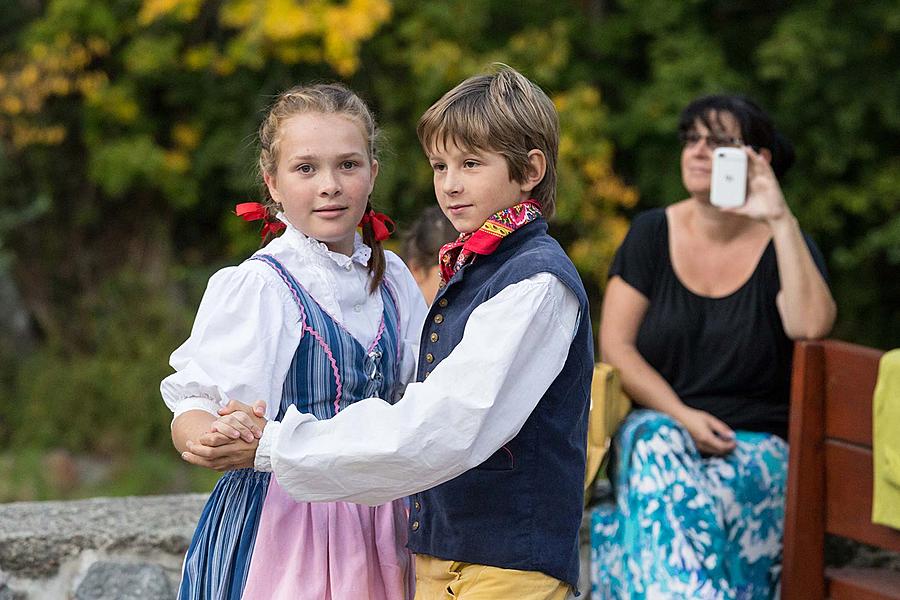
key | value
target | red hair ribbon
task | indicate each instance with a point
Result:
(254, 211)
(379, 223)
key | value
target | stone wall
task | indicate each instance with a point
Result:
(131, 548)
(123, 548)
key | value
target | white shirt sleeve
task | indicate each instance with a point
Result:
(413, 311)
(241, 345)
(475, 400)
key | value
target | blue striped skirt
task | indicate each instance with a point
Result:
(217, 561)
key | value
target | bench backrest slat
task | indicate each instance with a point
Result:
(848, 496)
(830, 463)
(850, 374)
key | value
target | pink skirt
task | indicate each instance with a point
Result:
(329, 551)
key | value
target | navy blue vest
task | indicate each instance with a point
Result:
(521, 508)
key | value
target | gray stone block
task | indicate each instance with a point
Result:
(7, 594)
(37, 537)
(124, 581)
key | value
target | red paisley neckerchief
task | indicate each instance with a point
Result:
(485, 239)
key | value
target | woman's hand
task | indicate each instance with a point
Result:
(710, 435)
(765, 201)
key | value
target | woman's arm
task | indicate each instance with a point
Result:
(805, 304)
(623, 312)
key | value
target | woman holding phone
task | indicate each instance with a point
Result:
(699, 316)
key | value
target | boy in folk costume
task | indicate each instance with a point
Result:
(494, 429)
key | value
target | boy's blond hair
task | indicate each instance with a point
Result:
(502, 112)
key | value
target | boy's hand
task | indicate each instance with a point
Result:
(239, 420)
(257, 410)
(236, 454)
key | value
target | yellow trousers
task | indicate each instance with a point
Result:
(438, 579)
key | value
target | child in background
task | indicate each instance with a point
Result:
(318, 319)
(421, 245)
(491, 440)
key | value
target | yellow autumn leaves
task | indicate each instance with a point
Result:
(290, 30)
(51, 69)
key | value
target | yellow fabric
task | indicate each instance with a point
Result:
(609, 406)
(438, 579)
(886, 442)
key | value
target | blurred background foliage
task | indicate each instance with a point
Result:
(127, 135)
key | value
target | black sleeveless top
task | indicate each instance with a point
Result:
(727, 356)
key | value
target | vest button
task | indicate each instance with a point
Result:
(427, 373)
(435, 337)
(415, 525)
(438, 318)
(442, 302)
(417, 505)
(429, 357)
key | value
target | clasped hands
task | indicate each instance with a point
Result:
(232, 439)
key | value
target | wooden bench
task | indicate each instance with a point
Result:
(830, 475)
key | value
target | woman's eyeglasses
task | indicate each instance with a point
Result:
(692, 138)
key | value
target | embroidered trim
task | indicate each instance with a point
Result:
(287, 279)
(276, 266)
(393, 296)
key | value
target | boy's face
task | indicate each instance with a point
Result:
(470, 186)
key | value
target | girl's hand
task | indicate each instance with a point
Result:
(710, 435)
(239, 420)
(236, 454)
(765, 202)
(213, 439)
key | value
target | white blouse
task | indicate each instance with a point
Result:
(246, 331)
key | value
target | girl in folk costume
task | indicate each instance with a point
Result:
(318, 319)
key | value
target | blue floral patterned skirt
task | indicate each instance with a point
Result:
(685, 526)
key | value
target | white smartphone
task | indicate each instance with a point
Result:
(728, 187)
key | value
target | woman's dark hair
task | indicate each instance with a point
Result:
(423, 240)
(757, 128)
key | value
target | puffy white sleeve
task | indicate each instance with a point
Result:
(477, 399)
(413, 311)
(241, 345)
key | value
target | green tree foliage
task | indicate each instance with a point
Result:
(827, 72)
(134, 119)
(128, 126)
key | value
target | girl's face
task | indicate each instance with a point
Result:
(323, 177)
